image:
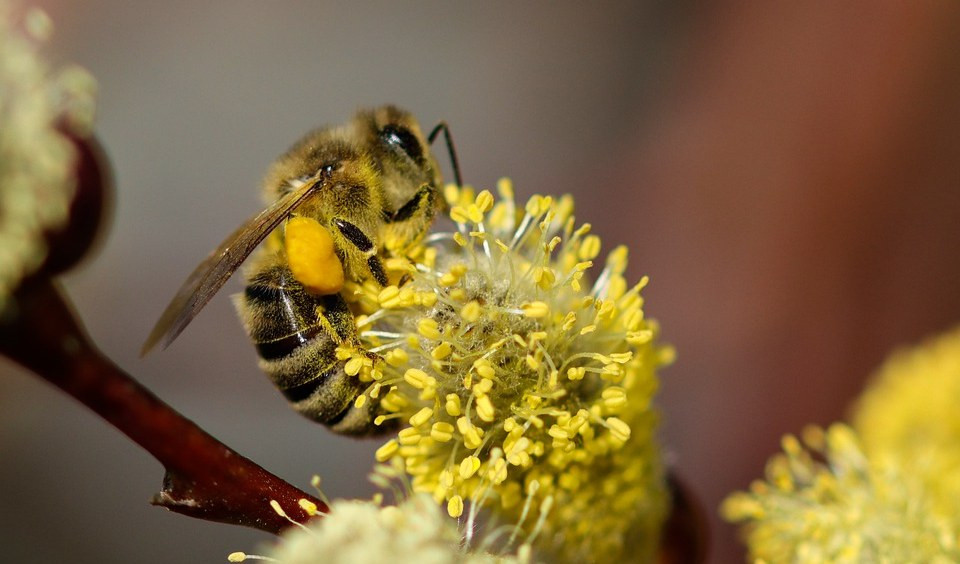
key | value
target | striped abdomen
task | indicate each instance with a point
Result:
(296, 334)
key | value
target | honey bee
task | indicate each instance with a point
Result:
(337, 196)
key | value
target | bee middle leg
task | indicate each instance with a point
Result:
(359, 239)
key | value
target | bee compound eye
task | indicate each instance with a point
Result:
(329, 168)
(399, 137)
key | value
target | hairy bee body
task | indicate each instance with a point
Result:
(369, 188)
(296, 334)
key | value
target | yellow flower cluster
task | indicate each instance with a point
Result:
(846, 509)
(36, 160)
(414, 530)
(519, 385)
(886, 491)
(910, 413)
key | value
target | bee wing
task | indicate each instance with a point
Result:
(217, 268)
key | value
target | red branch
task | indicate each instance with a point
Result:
(204, 478)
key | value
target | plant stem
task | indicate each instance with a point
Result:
(204, 478)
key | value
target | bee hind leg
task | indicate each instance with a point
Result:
(359, 421)
(331, 399)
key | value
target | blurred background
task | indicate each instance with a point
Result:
(788, 174)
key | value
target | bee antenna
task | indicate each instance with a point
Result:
(442, 126)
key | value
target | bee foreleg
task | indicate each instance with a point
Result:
(420, 203)
(406, 226)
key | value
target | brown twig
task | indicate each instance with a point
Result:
(685, 535)
(204, 478)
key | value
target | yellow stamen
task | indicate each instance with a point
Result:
(535, 310)
(421, 417)
(428, 328)
(485, 408)
(441, 431)
(452, 405)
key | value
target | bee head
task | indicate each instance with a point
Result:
(397, 143)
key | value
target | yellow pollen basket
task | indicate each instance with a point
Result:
(312, 256)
